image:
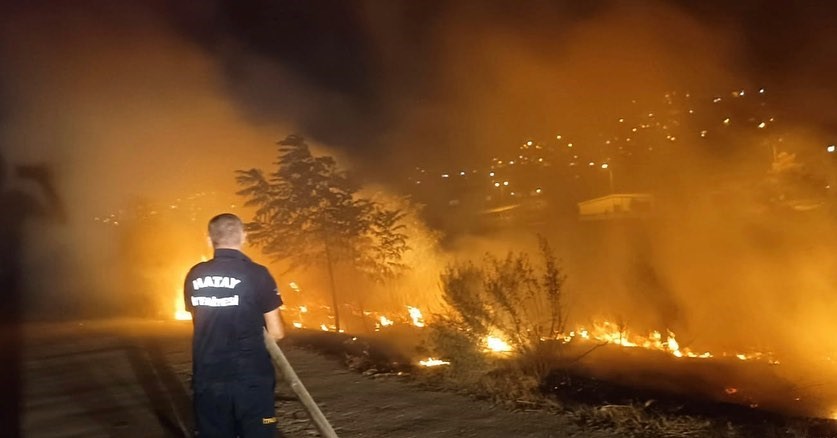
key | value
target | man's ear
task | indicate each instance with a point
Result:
(209, 242)
(243, 237)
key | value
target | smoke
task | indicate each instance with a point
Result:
(144, 100)
(452, 83)
(119, 107)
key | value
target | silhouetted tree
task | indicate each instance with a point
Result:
(790, 183)
(308, 213)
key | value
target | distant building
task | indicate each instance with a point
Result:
(617, 206)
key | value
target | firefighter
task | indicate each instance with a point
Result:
(232, 300)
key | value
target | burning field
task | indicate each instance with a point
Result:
(577, 206)
(605, 375)
(614, 320)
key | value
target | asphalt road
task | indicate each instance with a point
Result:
(130, 378)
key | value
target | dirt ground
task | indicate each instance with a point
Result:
(130, 378)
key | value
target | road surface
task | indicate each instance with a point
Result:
(130, 378)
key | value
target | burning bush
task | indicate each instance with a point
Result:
(506, 305)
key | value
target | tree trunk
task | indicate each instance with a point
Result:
(333, 285)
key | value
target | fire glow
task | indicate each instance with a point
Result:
(606, 332)
(603, 331)
(431, 362)
(611, 333)
(497, 345)
(415, 314)
(180, 312)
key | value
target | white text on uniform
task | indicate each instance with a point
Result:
(215, 281)
(215, 302)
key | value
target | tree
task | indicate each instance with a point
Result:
(791, 184)
(308, 212)
(386, 243)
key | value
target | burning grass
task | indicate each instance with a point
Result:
(505, 339)
(618, 404)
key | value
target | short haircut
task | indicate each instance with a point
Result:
(226, 229)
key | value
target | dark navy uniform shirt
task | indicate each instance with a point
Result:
(228, 297)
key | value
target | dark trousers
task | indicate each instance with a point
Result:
(235, 409)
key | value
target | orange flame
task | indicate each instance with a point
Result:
(612, 333)
(496, 344)
(415, 314)
(431, 362)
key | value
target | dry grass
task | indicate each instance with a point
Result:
(636, 421)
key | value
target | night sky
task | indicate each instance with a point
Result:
(386, 85)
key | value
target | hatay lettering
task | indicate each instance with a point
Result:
(215, 281)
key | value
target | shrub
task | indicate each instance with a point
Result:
(510, 298)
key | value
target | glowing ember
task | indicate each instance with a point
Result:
(415, 314)
(385, 321)
(294, 286)
(297, 324)
(323, 327)
(497, 345)
(303, 309)
(430, 362)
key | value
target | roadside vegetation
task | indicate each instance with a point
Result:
(519, 301)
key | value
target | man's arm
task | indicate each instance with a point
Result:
(270, 302)
(187, 295)
(273, 323)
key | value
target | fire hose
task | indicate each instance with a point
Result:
(288, 373)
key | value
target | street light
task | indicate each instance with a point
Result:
(606, 167)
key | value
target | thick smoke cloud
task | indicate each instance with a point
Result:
(121, 109)
(149, 100)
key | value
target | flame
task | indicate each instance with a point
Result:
(601, 331)
(415, 314)
(612, 333)
(673, 346)
(431, 362)
(497, 345)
